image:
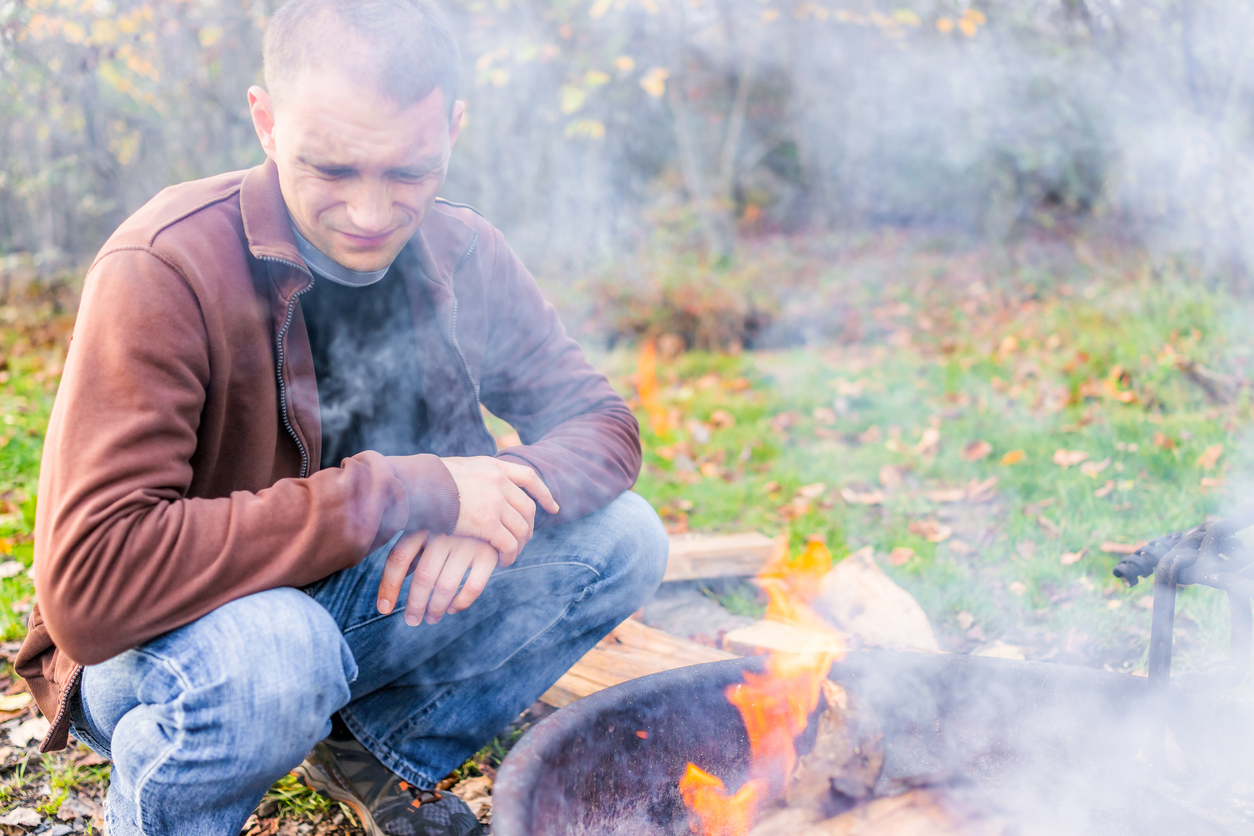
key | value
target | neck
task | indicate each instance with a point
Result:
(330, 269)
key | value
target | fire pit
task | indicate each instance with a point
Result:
(1052, 749)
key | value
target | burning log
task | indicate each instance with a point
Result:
(919, 812)
(846, 760)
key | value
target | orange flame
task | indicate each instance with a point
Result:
(646, 386)
(774, 705)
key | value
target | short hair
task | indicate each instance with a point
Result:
(412, 48)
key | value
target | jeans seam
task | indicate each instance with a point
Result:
(161, 759)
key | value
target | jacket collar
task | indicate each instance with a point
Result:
(436, 247)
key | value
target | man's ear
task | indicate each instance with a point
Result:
(455, 122)
(262, 109)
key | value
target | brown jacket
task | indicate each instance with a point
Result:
(180, 469)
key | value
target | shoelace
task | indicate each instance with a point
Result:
(420, 796)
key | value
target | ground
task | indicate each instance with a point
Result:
(993, 422)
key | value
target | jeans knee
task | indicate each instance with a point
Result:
(260, 676)
(642, 541)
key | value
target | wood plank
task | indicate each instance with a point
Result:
(630, 651)
(776, 637)
(695, 556)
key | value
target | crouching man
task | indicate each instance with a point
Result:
(273, 530)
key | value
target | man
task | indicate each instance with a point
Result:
(270, 417)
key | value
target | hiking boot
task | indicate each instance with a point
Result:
(342, 769)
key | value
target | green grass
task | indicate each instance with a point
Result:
(971, 346)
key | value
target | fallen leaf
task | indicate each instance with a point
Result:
(1066, 458)
(1013, 457)
(931, 529)
(825, 415)
(900, 556)
(981, 491)
(721, 419)
(1205, 461)
(12, 702)
(812, 491)
(1213, 482)
(1114, 604)
(853, 497)
(890, 476)
(872, 435)
(959, 546)
(781, 422)
(1017, 588)
(1048, 526)
(976, 633)
(771, 487)
(9, 568)
(976, 450)
(942, 495)
(1069, 558)
(1145, 602)
(1121, 548)
(710, 469)
(1000, 650)
(1105, 489)
(1164, 441)
(965, 620)
(1091, 469)
(929, 443)
(36, 728)
(738, 384)
(24, 816)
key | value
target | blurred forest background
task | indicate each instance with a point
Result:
(601, 128)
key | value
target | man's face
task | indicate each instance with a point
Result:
(358, 173)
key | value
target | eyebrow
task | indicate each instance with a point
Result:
(419, 169)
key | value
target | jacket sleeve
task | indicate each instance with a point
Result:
(122, 553)
(577, 432)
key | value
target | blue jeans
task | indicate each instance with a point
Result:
(201, 721)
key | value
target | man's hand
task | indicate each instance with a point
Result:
(494, 507)
(438, 572)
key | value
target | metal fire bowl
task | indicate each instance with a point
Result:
(1053, 748)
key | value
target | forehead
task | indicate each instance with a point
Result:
(334, 115)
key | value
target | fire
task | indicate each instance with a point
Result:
(646, 385)
(774, 705)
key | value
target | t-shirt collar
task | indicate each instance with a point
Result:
(332, 270)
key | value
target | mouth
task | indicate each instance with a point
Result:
(368, 242)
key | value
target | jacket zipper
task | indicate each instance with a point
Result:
(474, 387)
(67, 694)
(287, 322)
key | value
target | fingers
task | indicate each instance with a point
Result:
(397, 566)
(530, 481)
(460, 554)
(481, 567)
(427, 574)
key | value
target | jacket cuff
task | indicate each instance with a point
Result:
(434, 503)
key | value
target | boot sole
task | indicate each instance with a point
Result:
(314, 777)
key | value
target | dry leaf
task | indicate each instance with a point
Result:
(1105, 489)
(931, 529)
(1066, 458)
(13, 702)
(976, 450)
(890, 477)
(1001, 650)
(1213, 482)
(1205, 461)
(1114, 604)
(36, 728)
(959, 546)
(1069, 558)
(781, 422)
(1091, 469)
(1164, 441)
(812, 491)
(900, 556)
(929, 443)
(771, 487)
(1048, 526)
(1121, 548)
(873, 435)
(721, 419)
(9, 568)
(1145, 602)
(853, 497)
(982, 491)
(965, 620)
(825, 415)
(1017, 588)
(942, 495)
(1013, 457)
(24, 816)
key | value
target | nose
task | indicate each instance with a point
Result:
(370, 208)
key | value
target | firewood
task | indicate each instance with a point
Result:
(847, 757)
(694, 556)
(785, 821)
